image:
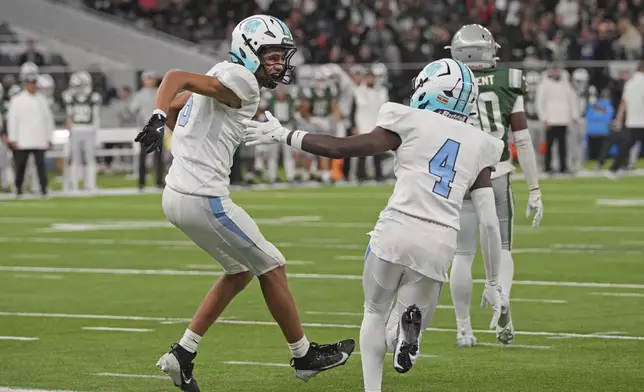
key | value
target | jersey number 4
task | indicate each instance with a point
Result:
(442, 166)
(184, 115)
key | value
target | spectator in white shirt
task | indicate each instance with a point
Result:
(369, 96)
(631, 113)
(557, 107)
(30, 126)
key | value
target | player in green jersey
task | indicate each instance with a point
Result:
(500, 107)
(319, 110)
(82, 106)
(282, 103)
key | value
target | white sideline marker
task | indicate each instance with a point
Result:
(125, 375)
(257, 363)
(114, 329)
(529, 346)
(19, 338)
(169, 272)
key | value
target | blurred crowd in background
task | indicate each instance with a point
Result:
(388, 39)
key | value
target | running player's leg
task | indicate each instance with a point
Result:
(504, 199)
(380, 281)
(461, 273)
(415, 304)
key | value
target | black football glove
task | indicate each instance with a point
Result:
(151, 137)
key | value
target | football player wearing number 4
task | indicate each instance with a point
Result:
(439, 158)
(500, 106)
(196, 198)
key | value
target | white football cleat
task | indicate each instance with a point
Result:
(465, 340)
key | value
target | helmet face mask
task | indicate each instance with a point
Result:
(256, 36)
(475, 46)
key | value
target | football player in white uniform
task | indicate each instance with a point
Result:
(209, 128)
(439, 158)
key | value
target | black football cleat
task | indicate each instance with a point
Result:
(408, 335)
(322, 357)
(178, 364)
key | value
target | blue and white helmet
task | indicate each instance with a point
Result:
(447, 87)
(257, 33)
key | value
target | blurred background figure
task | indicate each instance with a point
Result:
(142, 105)
(369, 96)
(82, 105)
(30, 126)
(558, 109)
(6, 172)
(586, 97)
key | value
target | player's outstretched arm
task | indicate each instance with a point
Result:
(485, 207)
(210, 86)
(528, 163)
(375, 142)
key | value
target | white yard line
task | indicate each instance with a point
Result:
(94, 317)
(168, 272)
(257, 363)
(529, 346)
(312, 325)
(19, 338)
(107, 374)
(351, 258)
(33, 256)
(356, 314)
(113, 329)
(357, 352)
(212, 266)
(537, 300)
(39, 276)
(609, 294)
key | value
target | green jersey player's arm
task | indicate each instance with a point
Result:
(523, 143)
(210, 86)
(484, 205)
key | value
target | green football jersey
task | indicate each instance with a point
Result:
(282, 106)
(320, 100)
(499, 89)
(82, 108)
(3, 113)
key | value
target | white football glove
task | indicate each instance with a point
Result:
(267, 132)
(534, 204)
(492, 296)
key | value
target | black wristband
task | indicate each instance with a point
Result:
(288, 138)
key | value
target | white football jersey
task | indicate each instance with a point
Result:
(208, 132)
(437, 162)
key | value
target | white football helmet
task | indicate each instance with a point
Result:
(252, 36)
(580, 78)
(446, 87)
(46, 84)
(475, 46)
(81, 82)
(532, 80)
(28, 72)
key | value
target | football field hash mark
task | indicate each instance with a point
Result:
(609, 294)
(18, 338)
(126, 375)
(257, 363)
(114, 329)
(528, 346)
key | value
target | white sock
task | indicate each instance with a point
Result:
(372, 350)
(460, 285)
(506, 272)
(299, 348)
(190, 341)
